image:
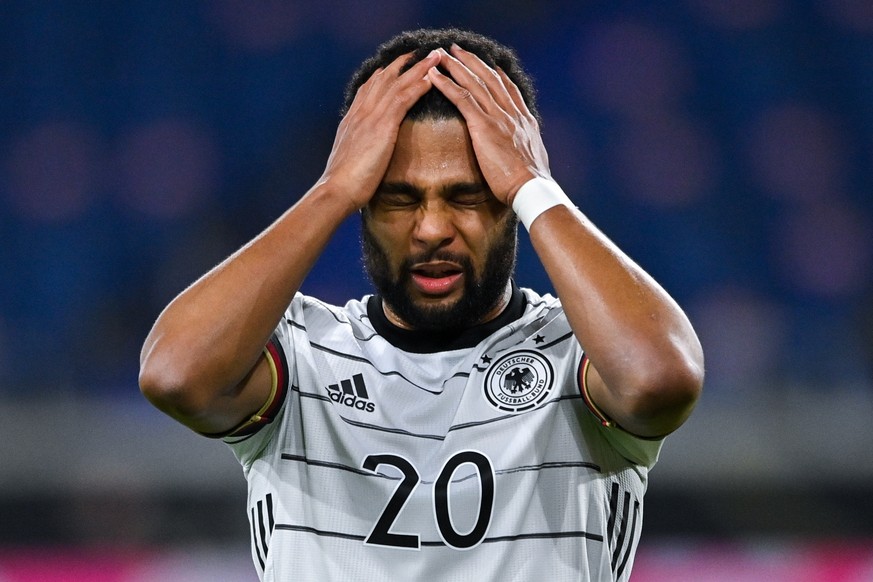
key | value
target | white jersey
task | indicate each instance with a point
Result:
(419, 457)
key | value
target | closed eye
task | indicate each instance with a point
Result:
(397, 195)
(471, 199)
(470, 194)
(396, 199)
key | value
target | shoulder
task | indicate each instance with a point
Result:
(543, 308)
(538, 302)
(306, 311)
(310, 323)
(303, 303)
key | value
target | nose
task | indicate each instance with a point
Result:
(434, 225)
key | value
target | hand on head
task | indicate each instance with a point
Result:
(505, 135)
(367, 134)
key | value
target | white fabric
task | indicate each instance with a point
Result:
(568, 492)
(535, 197)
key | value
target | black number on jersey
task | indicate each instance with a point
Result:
(486, 500)
(381, 534)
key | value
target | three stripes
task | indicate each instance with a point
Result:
(346, 386)
(262, 528)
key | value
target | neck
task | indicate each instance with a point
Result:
(395, 319)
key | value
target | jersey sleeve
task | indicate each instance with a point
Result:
(249, 439)
(642, 451)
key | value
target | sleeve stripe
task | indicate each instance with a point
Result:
(279, 373)
(583, 385)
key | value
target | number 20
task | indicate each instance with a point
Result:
(381, 534)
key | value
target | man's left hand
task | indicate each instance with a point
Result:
(505, 134)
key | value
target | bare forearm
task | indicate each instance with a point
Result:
(212, 334)
(639, 341)
(200, 361)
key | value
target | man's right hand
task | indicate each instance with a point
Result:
(203, 361)
(367, 134)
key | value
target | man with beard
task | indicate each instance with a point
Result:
(495, 432)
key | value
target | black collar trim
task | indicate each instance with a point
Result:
(426, 342)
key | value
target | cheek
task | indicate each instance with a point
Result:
(478, 252)
(482, 237)
(389, 241)
(502, 244)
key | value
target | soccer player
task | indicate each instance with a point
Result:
(451, 426)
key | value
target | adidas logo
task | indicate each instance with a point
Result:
(352, 393)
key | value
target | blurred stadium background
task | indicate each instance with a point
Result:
(727, 146)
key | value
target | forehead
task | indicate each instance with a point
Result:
(433, 151)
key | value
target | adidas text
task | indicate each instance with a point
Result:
(352, 401)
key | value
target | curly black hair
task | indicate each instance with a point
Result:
(434, 105)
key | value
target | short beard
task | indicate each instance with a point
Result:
(481, 294)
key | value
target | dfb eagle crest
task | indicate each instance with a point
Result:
(519, 381)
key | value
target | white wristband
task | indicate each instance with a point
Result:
(535, 197)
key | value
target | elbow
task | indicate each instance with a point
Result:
(169, 387)
(158, 385)
(664, 396)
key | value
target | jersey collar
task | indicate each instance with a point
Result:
(424, 342)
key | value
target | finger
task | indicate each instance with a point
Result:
(362, 91)
(384, 77)
(397, 64)
(460, 96)
(394, 70)
(464, 77)
(486, 75)
(513, 91)
(420, 68)
(391, 91)
(412, 84)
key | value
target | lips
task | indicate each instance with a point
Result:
(437, 278)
